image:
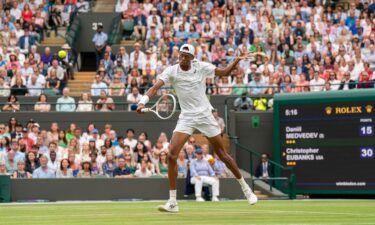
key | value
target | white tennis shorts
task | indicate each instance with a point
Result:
(206, 125)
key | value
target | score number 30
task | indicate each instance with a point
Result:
(367, 152)
(366, 130)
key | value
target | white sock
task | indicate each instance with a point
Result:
(243, 184)
(172, 195)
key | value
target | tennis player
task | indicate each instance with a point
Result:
(188, 78)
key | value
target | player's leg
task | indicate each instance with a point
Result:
(177, 142)
(218, 145)
(198, 184)
(214, 182)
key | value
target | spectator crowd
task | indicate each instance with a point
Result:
(297, 46)
(29, 151)
(23, 26)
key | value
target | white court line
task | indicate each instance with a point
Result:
(282, 211)
(159, 201)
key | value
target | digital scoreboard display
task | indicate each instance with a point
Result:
(329, 140)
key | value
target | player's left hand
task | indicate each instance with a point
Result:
(244, 55)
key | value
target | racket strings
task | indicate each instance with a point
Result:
(165, 107)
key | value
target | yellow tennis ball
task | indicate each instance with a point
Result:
(61, 54)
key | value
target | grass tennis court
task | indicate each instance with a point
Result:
(231, 212)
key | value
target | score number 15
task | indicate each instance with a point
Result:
(366, 130)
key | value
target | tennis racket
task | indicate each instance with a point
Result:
(164, 108)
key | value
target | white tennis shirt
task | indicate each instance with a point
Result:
(190, 87)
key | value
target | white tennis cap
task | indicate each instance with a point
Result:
(188, 49)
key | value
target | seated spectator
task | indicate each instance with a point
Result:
(243, 103)
(21, 172)
(12, 105)
(74, 163)
(53, 84)
(47, 57)
(130, 162)
(122, 171)
(98, 86)
(65, 103)
(264, 169)
(143, 171)
(162, 166)
(260, 103)
(210, 87)
(116, 87)
(34, 87)
(205, 152)
(182, 164)
(42, 104)
(26, 41)
(334, 83)
(64, 170)
(224, 86)
(4, 88)
(32, 163)
(85, 103)
(347, 83)
(287, 86)
(239, 87)
(202, 173)
(3, 170)
(189, 150)
(257, 86)
(129, 140)
(302, 84)
(85, 153)
(144, 85)
(19, 88)
(109, 165)
(317, 84)
(4, 142)
(364, 81)
(54, 160)
(43, 171)
(95, 165)
(59, 72)
(104, 103)
(11, 162)
(86, 171)
(133, 98)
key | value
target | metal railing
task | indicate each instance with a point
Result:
(119, 106)
(291, 179)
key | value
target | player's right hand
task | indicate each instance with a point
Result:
(140, 107)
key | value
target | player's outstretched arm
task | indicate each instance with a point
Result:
(227, 70)
(149, 94)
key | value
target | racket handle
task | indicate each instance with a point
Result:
(145, 110)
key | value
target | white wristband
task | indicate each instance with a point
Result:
(144, 100)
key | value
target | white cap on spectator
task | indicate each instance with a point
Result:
(187, 49)
(65, 46)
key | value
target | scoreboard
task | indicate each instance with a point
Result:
(329, 140)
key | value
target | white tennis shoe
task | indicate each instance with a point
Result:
(171, 207)
(200, 199)
(250, 196)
